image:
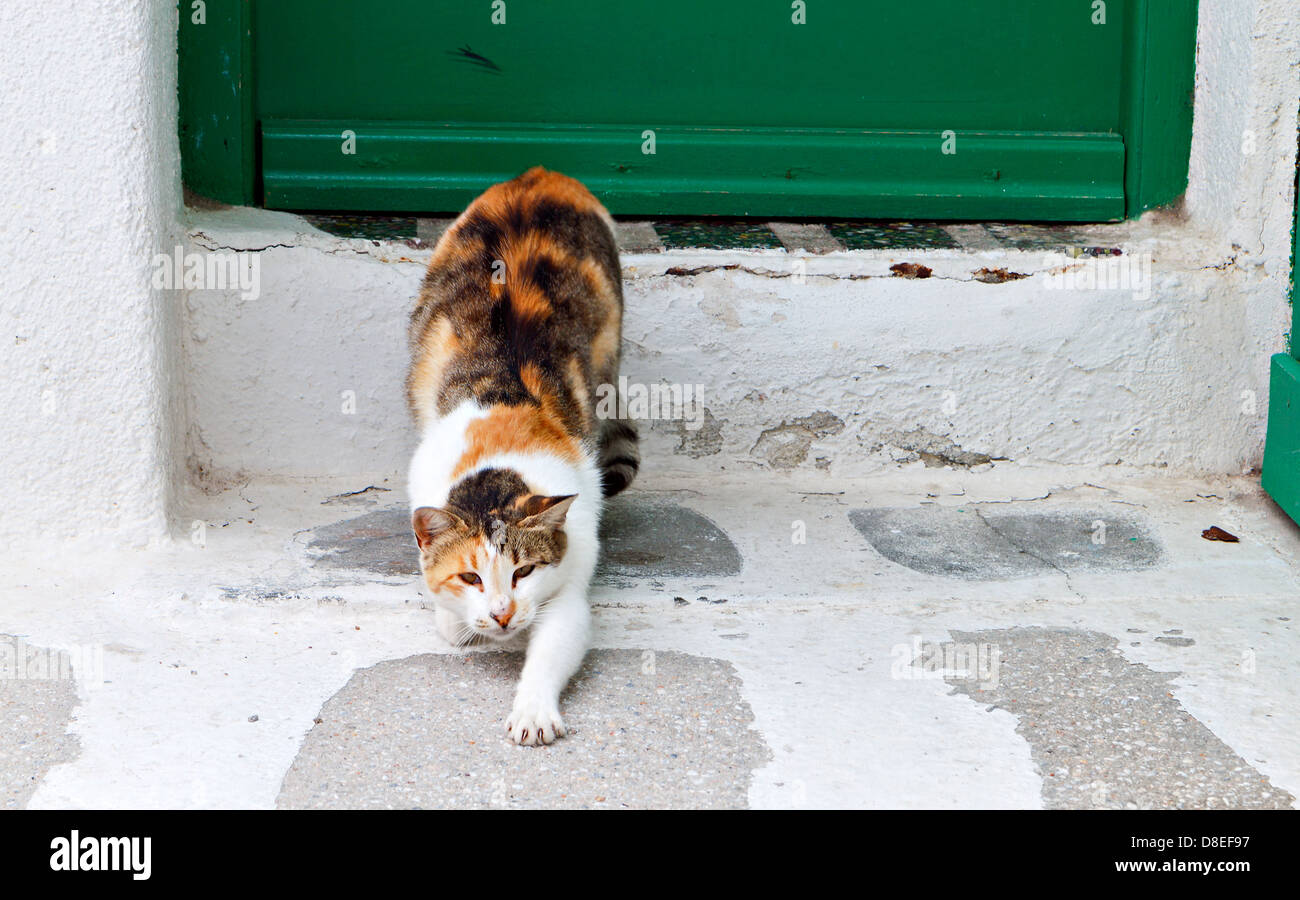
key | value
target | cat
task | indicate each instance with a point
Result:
(518, 323)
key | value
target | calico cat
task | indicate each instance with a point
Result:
(519, 321)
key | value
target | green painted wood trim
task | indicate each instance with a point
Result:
(425, 167)
(1281, 473)
(214, 90)
(1156, 109)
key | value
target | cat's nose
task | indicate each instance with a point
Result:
(503, 619)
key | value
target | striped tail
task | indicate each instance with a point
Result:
(619, 457)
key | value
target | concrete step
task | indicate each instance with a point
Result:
(1099, 345)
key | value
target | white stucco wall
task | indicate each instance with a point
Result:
(1240, 199)
(1242, 166)
(91, 190)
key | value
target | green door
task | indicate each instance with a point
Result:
(1281, 474)
(1024, 109)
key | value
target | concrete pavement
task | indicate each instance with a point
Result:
(1010, 637)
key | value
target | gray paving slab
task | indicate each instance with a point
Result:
(380, 541)
(985, 544)
(647, 729)
(1106, 733)
(37, 697)
(955, 543)
(1079, 539)
(646, 536)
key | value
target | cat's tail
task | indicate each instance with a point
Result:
(619, 457)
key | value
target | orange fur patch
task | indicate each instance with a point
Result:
(605, 347)
(462, 556)
(534, 381)
(531, 375)
(534, 186)
(528, 302)
(578, 385)
(561, 189)
(515, 429)
(438, 345)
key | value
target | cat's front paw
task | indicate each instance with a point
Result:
(534, 722)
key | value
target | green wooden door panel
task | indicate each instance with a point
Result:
(780, 172)
(751, 113)
(878, 64)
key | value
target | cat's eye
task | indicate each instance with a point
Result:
(523, 572)
(469, 578)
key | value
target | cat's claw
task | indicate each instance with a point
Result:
(533, 723)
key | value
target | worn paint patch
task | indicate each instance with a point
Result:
(800, 237)
(703, 441)
(786, 446)
(1036, 237)
(910, 270)
(935, 450)
(647, 729)
(981, 544)
(996, 276)
(35, 713)
(1106, 733)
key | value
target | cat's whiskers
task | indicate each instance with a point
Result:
(539, 611)
(464, 636)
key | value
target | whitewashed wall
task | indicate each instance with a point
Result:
(90, 188)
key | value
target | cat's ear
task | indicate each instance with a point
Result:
(546, 512)
(430, 523)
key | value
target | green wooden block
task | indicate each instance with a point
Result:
(430, 167)
(1281, 476)
(215, 96)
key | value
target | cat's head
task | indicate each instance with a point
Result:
(496, 568)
